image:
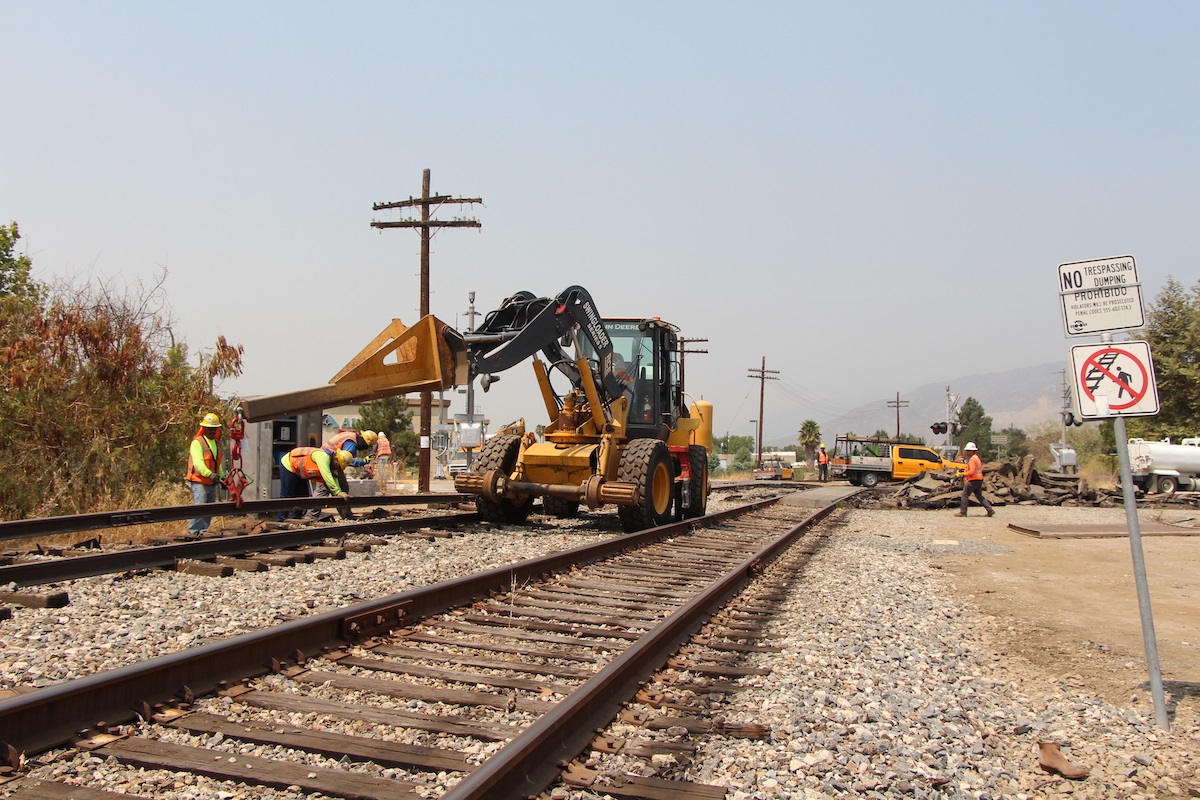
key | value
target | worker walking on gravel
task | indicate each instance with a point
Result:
(205, 469)
(822, 465)
(304, 465)
(973, 481)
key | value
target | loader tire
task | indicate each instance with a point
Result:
(647, 464)
(698, 484)
(501, 453)
(560, 508)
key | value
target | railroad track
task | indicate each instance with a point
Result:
(494, 679)
(222, 554)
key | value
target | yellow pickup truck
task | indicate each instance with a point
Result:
(865, 461)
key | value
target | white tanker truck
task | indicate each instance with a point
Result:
(1164, 467)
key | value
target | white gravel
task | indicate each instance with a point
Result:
(883, 688)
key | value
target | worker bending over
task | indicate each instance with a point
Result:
(302, 466)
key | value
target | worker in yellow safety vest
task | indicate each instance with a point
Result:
(204, 469)
(302, 466)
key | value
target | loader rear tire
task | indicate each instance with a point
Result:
(560, 508)
(698, 484)
(647, 464)
(501, 453)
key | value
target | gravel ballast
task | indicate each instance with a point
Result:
(885, 686)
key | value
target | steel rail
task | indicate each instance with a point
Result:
(533, 760)
(35, 573)
(45, 718)
(48, 526)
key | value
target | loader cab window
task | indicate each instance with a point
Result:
(635, 365)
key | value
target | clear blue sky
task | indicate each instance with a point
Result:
(872, 196)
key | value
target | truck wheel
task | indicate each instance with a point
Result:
(646, 463)
(869, 479)
(558, 507)
(501, 453)
(1167, 484)
(698, 485)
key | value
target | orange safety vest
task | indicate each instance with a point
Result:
(974, 469)
(338, 439)
(822, 457)
(210, 460)
(382, 446)
(304, 465)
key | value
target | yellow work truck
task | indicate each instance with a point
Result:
(865, 461)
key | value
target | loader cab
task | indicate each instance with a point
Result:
(646, 360)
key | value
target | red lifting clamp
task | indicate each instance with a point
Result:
(237, 480)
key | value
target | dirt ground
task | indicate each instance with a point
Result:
(1070, 607)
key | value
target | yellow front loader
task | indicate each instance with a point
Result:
(619, 435)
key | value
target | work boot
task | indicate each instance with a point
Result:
(961, 514)
(1051, 759)
(991, 512)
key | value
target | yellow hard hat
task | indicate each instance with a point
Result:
(344, 457)
(210, 420)
(369, 437)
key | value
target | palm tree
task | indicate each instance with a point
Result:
(810, 439)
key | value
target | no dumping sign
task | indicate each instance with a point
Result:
(1100, 296)
(1114, 380)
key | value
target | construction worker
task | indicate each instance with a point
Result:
(352, 442)
(301, 466)
(383, 454)
(205, 469)
(348, 441)
(822, 465)
(973, 481)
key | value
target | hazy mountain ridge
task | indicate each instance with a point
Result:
(1021, 397)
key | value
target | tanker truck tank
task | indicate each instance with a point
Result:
(1165, 467)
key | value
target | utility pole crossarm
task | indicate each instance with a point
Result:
(420, 201)
(416, 223)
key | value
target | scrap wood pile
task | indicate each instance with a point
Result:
(1004, 483)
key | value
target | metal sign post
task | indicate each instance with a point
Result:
(1139, 576)
(1117, 381)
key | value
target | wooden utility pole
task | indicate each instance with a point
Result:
(426, 226)
(762, 373)
(897, 404)
(683, 351)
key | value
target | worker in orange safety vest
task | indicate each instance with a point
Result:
(973, 481)
(205, 469)
(822, 465)
(302, 466)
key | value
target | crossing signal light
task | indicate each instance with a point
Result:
(938, 427)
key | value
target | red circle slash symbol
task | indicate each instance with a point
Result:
(1102, 365)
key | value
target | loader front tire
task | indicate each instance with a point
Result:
(698, 484)
(501, 453)
(647, 464)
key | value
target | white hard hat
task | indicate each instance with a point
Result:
(970, 446)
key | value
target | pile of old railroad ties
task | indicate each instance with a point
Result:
(1011, 483)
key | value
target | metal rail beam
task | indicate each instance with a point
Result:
(34, 573)
(40, 720)
(50, 526)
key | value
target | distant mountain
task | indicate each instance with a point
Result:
(1020, 397)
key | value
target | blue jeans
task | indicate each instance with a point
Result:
(201, 494)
